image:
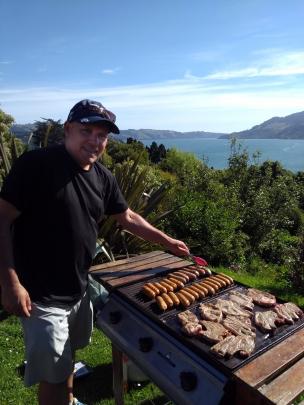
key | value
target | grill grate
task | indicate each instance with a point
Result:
(169, 322)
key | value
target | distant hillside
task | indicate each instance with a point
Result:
(289, 127)
(22, 131)
(154, 134)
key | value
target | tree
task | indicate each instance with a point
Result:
(10, 147)
(47, 132)
(156, 153)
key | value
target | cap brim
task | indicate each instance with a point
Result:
(95, 120)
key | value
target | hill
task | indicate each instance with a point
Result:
(154, 134)
(22, 131)
(289, 127)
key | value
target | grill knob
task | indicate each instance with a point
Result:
(188, 380)
(145, 344)
(115, 317)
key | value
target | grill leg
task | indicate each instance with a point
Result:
(119, 383)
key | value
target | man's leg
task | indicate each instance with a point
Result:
(56, 394)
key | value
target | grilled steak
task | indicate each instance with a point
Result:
(238, 327)
(284, 313)
(210, 312)
(213, 331)
(262, 298)
(186, 317)
(266, 321)
(244, 301)
(191, 328)
(244, 345)
(231, 308)
(294, 311)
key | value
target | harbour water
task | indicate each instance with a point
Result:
(215, 152)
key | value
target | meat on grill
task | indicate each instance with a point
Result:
(238, 326)
(295, 312)
(262, 298)
(231, 308)
(283, 312)
(213, 332)
(243, 300)
(267, 321)
(186, 317)
(244, 345)
(210, 312)
(191, 328)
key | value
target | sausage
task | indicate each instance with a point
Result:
(221, 281)
(185, 277)
(201, 271)
(228, 277)
(202, 288)
(193, 292)
(216, 282)
(161, 303)
(148, 292)
(194, 271)
(177, 277)
(210, 289)
(171, 282)
(188, 295)
(174, 298)
(200, 292)
(167, 300)
(214, 286)
(179, 283)
(161, 288)
(207, 270)
(166, 285)
(190, 275)
(228, 282)
(153, 287)
(183, 300)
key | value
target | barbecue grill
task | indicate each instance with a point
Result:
(183, 367)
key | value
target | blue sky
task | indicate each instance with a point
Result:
(221, 65)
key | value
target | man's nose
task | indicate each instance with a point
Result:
(95, 139)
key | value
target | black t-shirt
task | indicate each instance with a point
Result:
(54, 238)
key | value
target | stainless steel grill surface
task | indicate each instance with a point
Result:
(183, 367)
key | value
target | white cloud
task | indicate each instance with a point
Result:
(110, 71)
(191, 103)
(273, 63)
(5, 62)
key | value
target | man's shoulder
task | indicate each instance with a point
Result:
(103, 171)
(43, 155)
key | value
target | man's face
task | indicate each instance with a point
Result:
(85, 142)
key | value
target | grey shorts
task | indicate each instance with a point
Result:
(51, 336)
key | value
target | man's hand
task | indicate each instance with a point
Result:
(16, 300)
(177, 247)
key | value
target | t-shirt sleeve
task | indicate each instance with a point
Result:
(20, 186)
(116, 203)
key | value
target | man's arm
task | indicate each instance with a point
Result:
(137, 225)
(15, 298)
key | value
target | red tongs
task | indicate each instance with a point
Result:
(198, 260)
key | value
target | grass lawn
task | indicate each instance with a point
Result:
(96, 388)
(93, 389)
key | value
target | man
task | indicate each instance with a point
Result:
(50, 207)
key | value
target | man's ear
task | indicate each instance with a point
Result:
(66, 128)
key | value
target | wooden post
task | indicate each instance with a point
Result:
(119, 376)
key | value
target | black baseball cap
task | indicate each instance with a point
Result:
(91, 112)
